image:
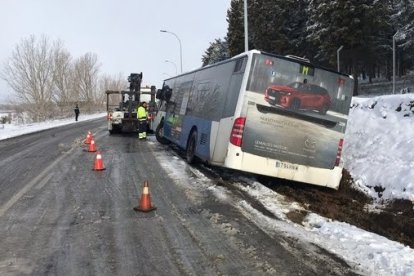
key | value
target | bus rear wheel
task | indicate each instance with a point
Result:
(191, 148)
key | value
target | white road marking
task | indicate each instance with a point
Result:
(34, 181)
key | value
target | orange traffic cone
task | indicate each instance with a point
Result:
(145, 201)
(92, 146)
(99, 166)
(89, 138)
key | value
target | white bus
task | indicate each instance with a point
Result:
(262, 113)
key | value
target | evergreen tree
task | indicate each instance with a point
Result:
(217, 51)
(403, 21)
(266, 23)
(296, 15)
(235, 30)
(403, 27)
(317, 28)
(358, 25)
(276, 26)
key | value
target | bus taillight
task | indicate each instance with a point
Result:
(339, 152)
(109, 116)
(236, 135)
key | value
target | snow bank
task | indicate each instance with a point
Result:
(378, 146)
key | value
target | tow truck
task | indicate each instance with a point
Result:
(122, 105)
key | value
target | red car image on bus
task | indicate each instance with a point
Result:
(298, 95)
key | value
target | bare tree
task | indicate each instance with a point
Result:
(29, 72)
(63, 94)
(86, 71)
(45, 79)
(110, 82)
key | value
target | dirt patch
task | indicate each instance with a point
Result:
(393, 220)
(297, 216)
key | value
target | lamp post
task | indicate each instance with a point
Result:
(246, 34)
(337, 57)
(173, 63)
(393, 62)
(181, 49)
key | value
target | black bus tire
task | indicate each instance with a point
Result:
(159, 134)
(191, 147)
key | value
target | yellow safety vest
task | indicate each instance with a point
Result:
(141, 113)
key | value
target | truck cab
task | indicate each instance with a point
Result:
(122, 108)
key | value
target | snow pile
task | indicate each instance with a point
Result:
(369, 253)
(378, 146)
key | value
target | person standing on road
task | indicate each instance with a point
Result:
(76, 112)
(142, 121)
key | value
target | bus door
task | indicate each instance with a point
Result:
(176, 111)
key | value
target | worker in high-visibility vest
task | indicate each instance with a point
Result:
(142, 121)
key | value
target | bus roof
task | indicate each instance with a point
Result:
(254, 51)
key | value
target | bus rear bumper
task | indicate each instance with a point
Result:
(238, 160)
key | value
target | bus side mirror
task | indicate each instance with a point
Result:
(164, 94)
(167, 94)
(159, 95)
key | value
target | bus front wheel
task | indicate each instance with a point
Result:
(159, 134)
(191, 147)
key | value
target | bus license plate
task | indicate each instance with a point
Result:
(288, 166)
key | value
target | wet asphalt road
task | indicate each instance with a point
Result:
(59, 217)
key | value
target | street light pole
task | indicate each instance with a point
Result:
(337, 57)
(393, 63)
(246, 34)
(175, 65)
(181, 49)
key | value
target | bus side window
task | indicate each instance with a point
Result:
(238, 67)
(170, 106)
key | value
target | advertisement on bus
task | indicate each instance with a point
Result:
(295, 113)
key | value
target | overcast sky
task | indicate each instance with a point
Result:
(125, 34)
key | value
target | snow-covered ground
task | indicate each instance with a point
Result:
(379, 143)
(378, 152)
(13, 130)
